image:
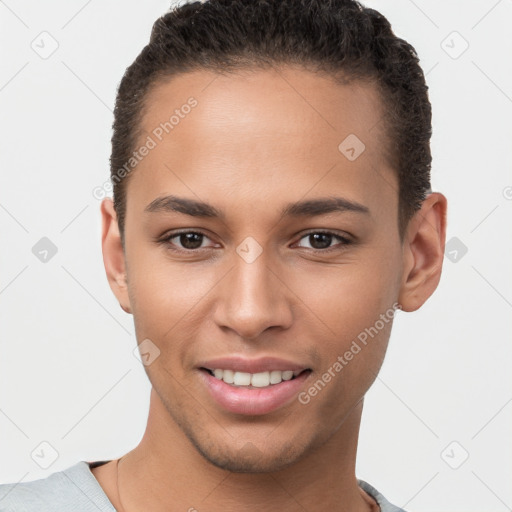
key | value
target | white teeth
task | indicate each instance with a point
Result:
(228, 376)
(257, 380)
(242, 379)
(260, 380)
(275, 377)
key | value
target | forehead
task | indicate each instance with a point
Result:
(270, 100)
(258, 128)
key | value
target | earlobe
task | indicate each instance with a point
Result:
(423, 252)
(113, 254)
(126, 309)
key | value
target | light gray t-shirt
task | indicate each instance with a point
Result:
(76, 489)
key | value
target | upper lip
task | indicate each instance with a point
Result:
(243, 364)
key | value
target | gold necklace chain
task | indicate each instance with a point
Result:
(117, 485)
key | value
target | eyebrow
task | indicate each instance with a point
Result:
(308, 208)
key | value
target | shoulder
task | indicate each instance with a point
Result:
(72, 489)
(384, 504)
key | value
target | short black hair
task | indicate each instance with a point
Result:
(340, 38)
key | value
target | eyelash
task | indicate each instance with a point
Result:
(344, 241)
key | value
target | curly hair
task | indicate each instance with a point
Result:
(340, 38)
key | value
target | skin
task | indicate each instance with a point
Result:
(255, 142)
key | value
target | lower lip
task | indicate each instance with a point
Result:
(253, 401)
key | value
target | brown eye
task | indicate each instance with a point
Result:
(191, 240)
(186, 241)
(320, 240)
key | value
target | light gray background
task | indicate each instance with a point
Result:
(68, 376)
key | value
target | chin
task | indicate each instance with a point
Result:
(248, 450)
(244, 448)
(248, 459)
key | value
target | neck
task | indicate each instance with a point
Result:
(165, 468)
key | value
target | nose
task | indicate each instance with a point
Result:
(252, 298)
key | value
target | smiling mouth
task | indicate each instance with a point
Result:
(254, 380)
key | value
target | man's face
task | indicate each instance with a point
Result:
(262, 290)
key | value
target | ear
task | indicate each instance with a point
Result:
(423, 252)
(113, 254)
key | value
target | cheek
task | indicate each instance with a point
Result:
(165, 295)
(348, 298)
(352, 353)
(351, 309)
(355, 304)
